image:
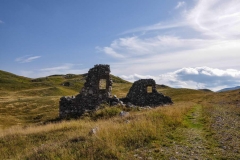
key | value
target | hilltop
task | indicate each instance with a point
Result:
(229, 89)
(199, 125)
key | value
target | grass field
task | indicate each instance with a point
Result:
(199, 125)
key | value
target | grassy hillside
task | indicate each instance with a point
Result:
(25, 101)
(200, 124)
(10, 81)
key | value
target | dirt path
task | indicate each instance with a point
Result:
(225, 124)
(193, 142)
(190, 141)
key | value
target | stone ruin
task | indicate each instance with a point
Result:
(97, 90)
(144, 93)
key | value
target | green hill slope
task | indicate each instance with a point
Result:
(199, 125)
(9, 81)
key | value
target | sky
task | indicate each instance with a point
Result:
(183, 44)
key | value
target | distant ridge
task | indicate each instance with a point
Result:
(13, 82)
(205, 90)
(229, 89)
(162, 86)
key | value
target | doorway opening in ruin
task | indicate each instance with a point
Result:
(102, 84)
(149, 89)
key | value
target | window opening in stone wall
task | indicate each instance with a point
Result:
(102, 84)
(149, 89)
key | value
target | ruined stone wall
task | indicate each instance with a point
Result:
(91, 86)
(97, 89)
(67, 107)
(138, 94)
(91, 95)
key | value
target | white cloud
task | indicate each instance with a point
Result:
(63, 69)
(26, 59)
(180, 4)
(215, 18)
(67, 68)
(135, 77)
(195, 78)
(158, 26)
(136, 46)
(162, 56)
(1, 22)
(110, 51)
(58, 68)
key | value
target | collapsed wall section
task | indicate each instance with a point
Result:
(68, 108)
(144, 93)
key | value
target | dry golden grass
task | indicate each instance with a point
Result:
(116, 137)
(145, 133)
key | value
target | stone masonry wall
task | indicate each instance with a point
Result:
(138, 94)
(91, 95)
(97, 89)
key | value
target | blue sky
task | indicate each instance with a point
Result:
(192, 44)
